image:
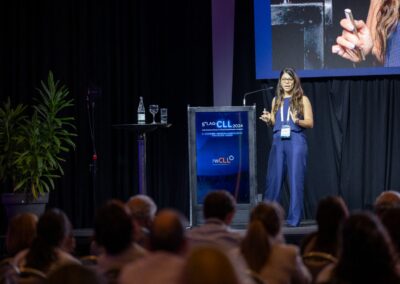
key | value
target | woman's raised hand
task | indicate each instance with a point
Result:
(266, 116)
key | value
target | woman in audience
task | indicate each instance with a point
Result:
(69, 243)
(45, 253)
(367, 255)
(113, 233)
(391, 220)
(331, 213)
(321, 248)
(266, 253)
(21, 232)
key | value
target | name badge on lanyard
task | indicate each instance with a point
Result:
(285, 129)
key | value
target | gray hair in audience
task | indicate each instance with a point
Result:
(142, 207)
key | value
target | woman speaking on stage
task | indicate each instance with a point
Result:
(290, 114)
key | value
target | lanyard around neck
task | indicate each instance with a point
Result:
(288, 113)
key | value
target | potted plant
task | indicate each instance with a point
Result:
(32, 147)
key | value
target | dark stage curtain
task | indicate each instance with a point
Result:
(160, 50)
(353, 147)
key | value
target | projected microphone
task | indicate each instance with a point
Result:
(253, 92)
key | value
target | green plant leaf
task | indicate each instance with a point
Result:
(31, 148)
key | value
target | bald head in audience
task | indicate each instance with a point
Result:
(387, 199)
(168, 232)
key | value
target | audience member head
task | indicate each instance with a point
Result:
(143, 209)
(367, 254)
(69, 242)
(391, 220)
(209, 265)
(75, 274)
(113, 227)
(331, 213)
(219, 204)
(271, 215)
(52, 228)
(21, 232)
(387, 199)
(265, 224)
(167, 232)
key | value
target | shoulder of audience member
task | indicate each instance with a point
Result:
(152, 261)
(65, 257)
(19, 258)
(308, 242)
(326, 274)
(291, 251)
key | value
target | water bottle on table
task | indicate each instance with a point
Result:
(141, 112)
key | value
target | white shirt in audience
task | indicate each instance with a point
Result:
(214, 232)
(285, 266)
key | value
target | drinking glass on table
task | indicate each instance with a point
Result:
(153, 110)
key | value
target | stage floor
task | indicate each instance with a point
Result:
(293, 235)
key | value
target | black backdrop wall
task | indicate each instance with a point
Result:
(161, 50)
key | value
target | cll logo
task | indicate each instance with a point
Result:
(223, 160)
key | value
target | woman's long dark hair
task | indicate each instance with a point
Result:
(52, 228)
(296, 102)
(265, 224)
(367, 254)
(387, 18)
(256, 246)
(331, 213)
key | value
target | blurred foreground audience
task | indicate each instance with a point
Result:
(366, 256)
(46, 253)
(361, 248)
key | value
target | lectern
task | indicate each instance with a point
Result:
(141, 130)
(222, 156)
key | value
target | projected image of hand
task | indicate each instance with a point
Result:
(349, 41)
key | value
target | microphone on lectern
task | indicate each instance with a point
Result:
(253, 92)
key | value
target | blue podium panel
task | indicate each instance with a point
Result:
(222, 156)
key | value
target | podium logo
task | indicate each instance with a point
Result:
(223, 161)
(221, 124)
(217, 124)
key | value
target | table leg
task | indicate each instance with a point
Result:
(141, 140)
